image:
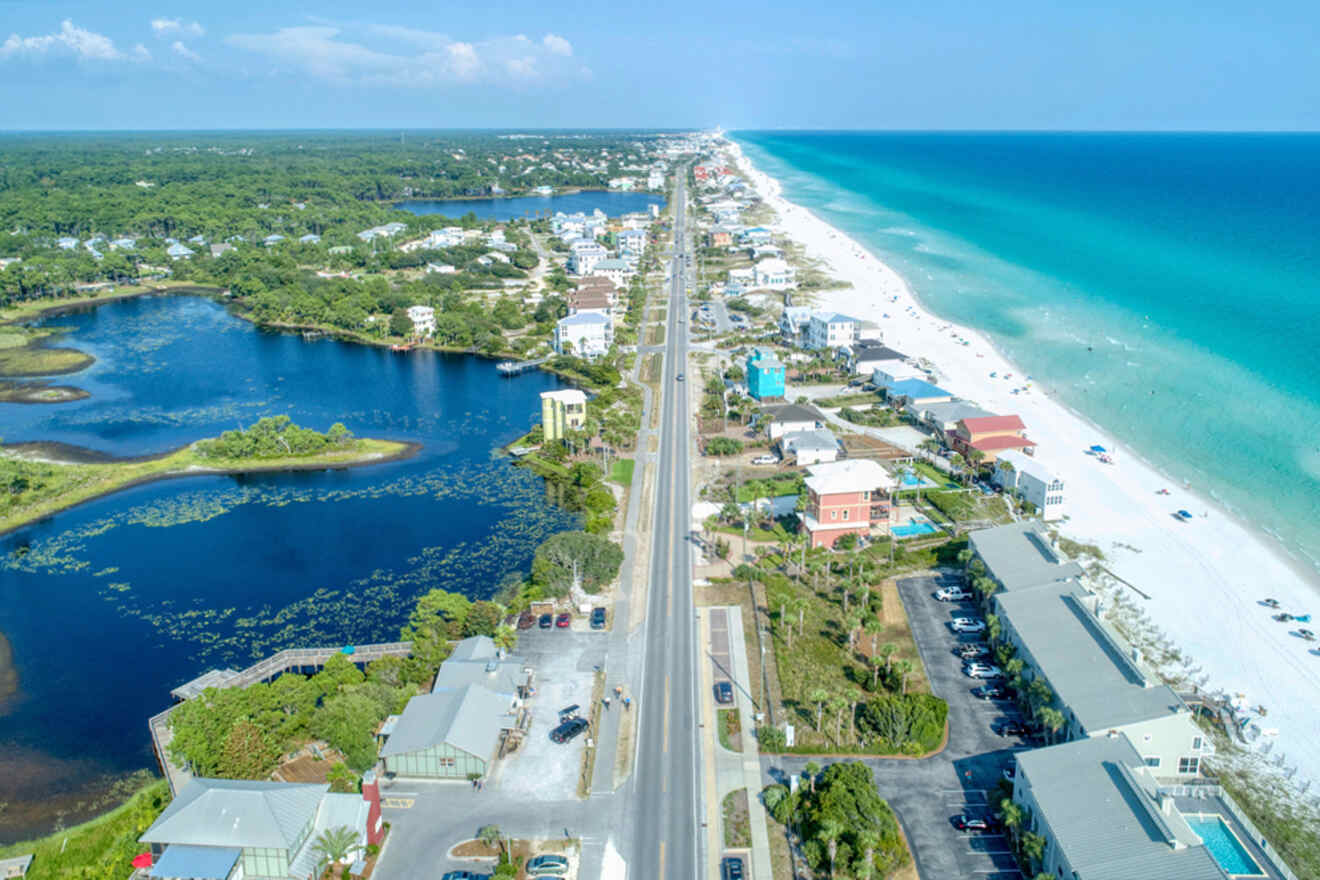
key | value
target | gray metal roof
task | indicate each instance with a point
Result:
(953, 411)
(794, 412)
(242, 813)
(468, 718)
(820, 439)
(1100, 803)
(502, 676)
(1020, 557)
(1089, 668)
(475, 647)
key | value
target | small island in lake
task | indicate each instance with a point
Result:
(40, 482)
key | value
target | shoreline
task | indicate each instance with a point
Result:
(1205, 577)
(407, 449)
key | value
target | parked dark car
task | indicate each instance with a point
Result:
(971, 823)
(731, 868)
(990, 692)
(568, 730)
(723, 692)
(547, 621)
(564, 620)
(1011, 728)
(526, 620)
(598, 618)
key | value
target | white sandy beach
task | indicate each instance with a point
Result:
(1205, 578)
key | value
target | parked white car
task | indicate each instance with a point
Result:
(953, 594)
(982, 670)
(765, 459)
(967, 625)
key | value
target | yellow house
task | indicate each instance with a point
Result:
(562, 411)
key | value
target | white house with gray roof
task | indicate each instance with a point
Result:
(221, 829)
(1098, 680)
(831, 330)
(1104, 817)
(448, 733)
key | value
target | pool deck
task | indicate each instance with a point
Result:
(1213, 804)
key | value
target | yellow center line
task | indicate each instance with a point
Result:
(661, 860)
(666, 721)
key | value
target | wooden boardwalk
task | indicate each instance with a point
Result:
(513, 368)
(300, 660)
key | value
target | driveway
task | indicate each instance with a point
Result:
(928, 794)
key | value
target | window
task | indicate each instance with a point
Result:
(1152, 760)
(1189, 765)
(845, 513)
(834, 514)
(1196, 743)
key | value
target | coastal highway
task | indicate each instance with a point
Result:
(665, 811)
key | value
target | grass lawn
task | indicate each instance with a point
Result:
(730, 729)
(622, 471)
(932, 473)
(102, 847)
(969, 506)
(786, 485)
(737, 828)
(655, 334)
(57, 486)
(651, 372)
(861, 398)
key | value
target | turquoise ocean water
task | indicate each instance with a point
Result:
(1166, 286)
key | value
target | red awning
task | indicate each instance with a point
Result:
(142, 861)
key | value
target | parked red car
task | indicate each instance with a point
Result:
(564, 620)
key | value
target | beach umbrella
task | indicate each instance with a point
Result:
(1097, 449)
(143, 860)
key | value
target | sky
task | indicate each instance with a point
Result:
(910, 64)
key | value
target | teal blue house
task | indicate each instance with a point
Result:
(765, 375)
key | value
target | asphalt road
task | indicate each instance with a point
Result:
(666, 809)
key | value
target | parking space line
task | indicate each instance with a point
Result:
(397, 803)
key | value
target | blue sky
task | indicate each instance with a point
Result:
(913, 64)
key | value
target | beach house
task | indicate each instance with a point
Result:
(846, 498)
(809, 447)
(562, 411)
(789, 417)
(178, 251)
(793, 324)
(885, 374)
(865, 355)
(223, 828)
(944, 417)
(585, 255)
(1035, 483)
(774, 274)
(830, 330)
(989, 435)
(915, 393)
(765, 375)
(1103, 815)
(719, 237)
(423, 320)
(615, 270)
(586, 334)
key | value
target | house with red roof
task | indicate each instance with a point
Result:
(990, 435)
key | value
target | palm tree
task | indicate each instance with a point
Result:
(876, 663)
(838, 703)
(800, 605)
(491, 836)
(830, 830)
(887, 650)
(868, 842)
(334, 846)
(853, 621)
(506, 637)
(819, 696)
(772, 796)
(1011, 815)
(1033, 847)
(904, 670)
(1053, 721)
(810, 769)
(873, 627)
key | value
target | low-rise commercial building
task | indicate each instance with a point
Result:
(1022, 556)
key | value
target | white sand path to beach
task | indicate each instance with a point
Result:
(1205, 577)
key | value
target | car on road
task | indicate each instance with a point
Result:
(568, 730)
(679, 377)
(972, 650)
(953, 594)
(982, 670)
(546, 621)
(464, 875)
(990, 692)
(731, 868)
(598, 618)
(564, 621)
(971, 823)
(1009, 727)
(967, 625)
(766, 459)
(526, 620)
(723, 692)
(547, 864)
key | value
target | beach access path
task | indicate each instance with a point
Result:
(1205, 577)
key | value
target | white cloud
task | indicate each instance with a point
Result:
(70, 39)
(557, 44)
(409, 57)
(169, 26)
(183, 51)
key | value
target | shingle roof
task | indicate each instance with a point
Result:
(1099, 803)
(469, 718)
(953, 411)
(1020, 557)
(1088, 667)
(994, 423)
(794, 412)
(242, 813)
(990, 444)
(820, 439)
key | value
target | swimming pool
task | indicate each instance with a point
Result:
(1223, 844)
(913, 528)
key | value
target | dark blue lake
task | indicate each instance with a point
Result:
(109, 605)
(613, 204)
